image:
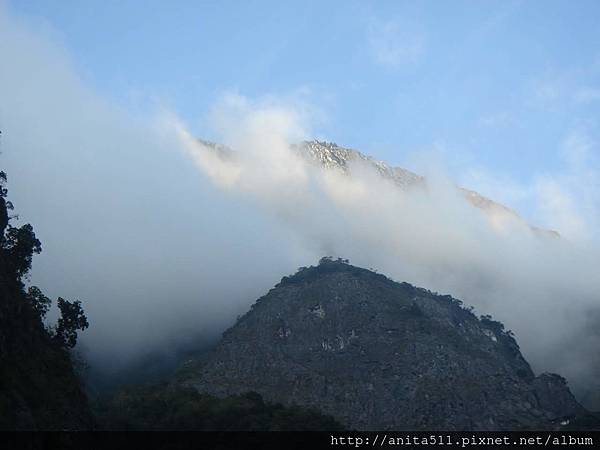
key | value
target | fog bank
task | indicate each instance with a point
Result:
(165, 240)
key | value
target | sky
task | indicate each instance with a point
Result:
(499, 85)
(162, 240)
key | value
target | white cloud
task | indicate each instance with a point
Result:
(127, 225)
(571, 199)
(434, 238)
(558, 89)
(587, 95)
(496, 120)
(395, 44)
(565, 199)
(157, 250)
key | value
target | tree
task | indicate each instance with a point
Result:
(19, 245)
(5, 205)
(37, 299)
(72, 318)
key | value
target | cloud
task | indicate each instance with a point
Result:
(587, 95)
(395, 44)
(165, 239)
(548, 91)
(157, 255)
(565, 199)
(557, 89)
(501, 187)
(496, 120)
(542, 288)
(571, 199)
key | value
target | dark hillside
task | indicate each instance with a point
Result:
(377, 354)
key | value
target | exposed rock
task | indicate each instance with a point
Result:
(331, 156)
(377, 354)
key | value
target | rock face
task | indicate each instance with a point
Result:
(377, 354)
(332, 156)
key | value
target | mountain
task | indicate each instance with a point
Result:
(377, 354)
(331, 156)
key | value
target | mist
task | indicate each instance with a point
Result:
(166, 241)
(155, 253)
(543, 288)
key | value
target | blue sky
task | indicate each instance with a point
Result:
(498, 86)
(506, 94)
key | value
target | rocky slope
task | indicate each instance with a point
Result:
(331, 156)
(377, 354)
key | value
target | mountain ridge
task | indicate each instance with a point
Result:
(331, 156)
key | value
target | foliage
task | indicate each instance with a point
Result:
(72, 318)
(38, 387)
(493, 324)
(39, 302)
(327, 265)
(19, 245)
(4, 190)
(165, 407)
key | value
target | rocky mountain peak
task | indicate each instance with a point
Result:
(330, 156)
(377, 354)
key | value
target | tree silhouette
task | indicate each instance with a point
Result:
(38, 300)
(5, 205)
(19, 245)
(72, 318)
